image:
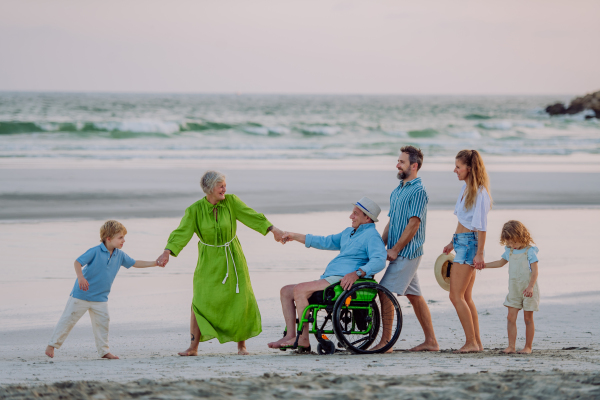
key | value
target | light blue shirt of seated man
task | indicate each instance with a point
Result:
(361, 248)
(100, 269)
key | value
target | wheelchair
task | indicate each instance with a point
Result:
(351, 320)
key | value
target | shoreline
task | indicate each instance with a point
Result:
(81, 193)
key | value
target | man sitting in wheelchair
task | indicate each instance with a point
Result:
(362, 255)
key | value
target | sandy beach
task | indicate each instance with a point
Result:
(149, 317)
(51, 214)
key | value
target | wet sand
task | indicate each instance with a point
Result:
(54, 189)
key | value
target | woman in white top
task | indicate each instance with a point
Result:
(472, 207)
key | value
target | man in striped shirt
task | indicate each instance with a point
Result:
(404, 236)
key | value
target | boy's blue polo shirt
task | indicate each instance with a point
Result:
(100, 269)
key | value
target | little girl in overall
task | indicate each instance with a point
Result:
(523, 291)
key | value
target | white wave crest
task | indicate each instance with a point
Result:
(265, 130)
(141, 126)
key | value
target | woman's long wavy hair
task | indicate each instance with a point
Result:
(515, 231)
(478, 176)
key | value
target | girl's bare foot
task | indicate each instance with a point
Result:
(526, 350)
(110, 356)
(189, 352)
(50, 351)
(508, 350)
(468, 348)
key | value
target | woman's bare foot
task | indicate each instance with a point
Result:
(526, 350)
(110, 356)
(242, 351)
(50, 351)
(426, 346)
(509, 350)
(468, 348)
(189, 352)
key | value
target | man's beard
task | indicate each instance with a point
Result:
(402, 175)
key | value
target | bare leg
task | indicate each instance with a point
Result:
(50, 351)
(459, 281)
(424, 316)
(242, 351)
(387, 315)
(473, 309)
(511, 327)
(529, 332)
(195, 338)
(288, 307)
(302, 292)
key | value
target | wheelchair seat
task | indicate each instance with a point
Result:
(330, 294)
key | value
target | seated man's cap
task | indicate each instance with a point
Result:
(369, 207)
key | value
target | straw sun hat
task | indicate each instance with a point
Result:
(442, 269)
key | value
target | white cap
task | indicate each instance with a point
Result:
(369, 207)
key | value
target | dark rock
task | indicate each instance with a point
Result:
(556, 109)
(590, 101)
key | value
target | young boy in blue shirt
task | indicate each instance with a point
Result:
(96, 270)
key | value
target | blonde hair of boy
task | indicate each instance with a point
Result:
(478, 178)
(515, 231)
(110, 229)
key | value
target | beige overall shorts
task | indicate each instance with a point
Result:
(519, 276)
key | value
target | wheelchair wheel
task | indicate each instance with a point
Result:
(367, 316)
(326, 348)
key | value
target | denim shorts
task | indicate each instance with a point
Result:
(465, 247)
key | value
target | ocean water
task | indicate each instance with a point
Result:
(179, 126)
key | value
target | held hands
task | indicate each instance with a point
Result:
(287, 237)
(278, 235)
(348, 280)
(448, 248)
(528, 292)
(478, 262)
(83, 283)
(391, 255)
(163, 259)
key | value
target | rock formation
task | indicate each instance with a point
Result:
(590, 101)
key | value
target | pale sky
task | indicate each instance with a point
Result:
(307, 46)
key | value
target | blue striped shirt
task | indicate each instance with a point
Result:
(406, 201)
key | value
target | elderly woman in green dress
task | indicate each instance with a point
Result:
(223, 306)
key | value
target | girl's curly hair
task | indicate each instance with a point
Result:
(515, 231)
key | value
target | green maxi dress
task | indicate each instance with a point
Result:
(220, 311)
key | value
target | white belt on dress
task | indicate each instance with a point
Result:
(226, 246)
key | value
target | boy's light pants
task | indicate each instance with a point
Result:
(73, 312)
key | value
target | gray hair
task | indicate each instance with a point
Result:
(210, 179)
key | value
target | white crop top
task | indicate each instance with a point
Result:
(474, 219)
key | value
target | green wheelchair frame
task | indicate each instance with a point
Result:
(352, 312)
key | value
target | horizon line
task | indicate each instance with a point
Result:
(241, 93)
